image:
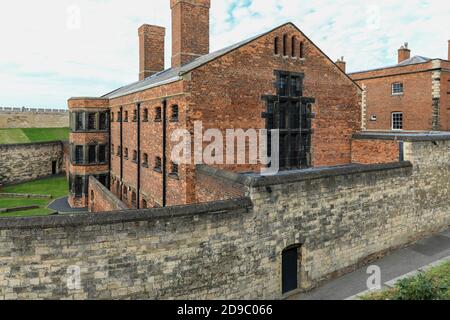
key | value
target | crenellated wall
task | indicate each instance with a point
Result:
(341, 217)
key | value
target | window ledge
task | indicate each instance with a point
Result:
(398, 94)
(159, 170)
(145, 165)
(158, 120)
(174, 176)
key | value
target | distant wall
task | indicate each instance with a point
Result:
(24, 162)
(33, 118)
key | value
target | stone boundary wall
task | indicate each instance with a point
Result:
(341, 217)
(33, 118)
(101, 199)
(29, 161)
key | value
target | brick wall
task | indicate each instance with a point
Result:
(342, 217)
(23, 162)
(101, 199)
(371, 151)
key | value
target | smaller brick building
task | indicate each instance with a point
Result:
(412, 95)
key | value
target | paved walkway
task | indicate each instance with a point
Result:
(62, 206)
(392, 266)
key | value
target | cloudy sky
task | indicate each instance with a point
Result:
(52, 50)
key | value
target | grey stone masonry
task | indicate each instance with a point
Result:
(340, 217)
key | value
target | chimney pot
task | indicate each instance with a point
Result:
(151, 50)
(341, 64)
(404, 53)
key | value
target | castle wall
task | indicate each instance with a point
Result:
(33, 118)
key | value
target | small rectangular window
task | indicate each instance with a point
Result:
(174, 169)
(397, 121)
(119, 116)
(397, 89)
(102, 154)
(134, 115)
(119, 151)
(125, 117)
(103, 121)
(79, 121)
(145, 116)
(158, 114)
(91, 121)
(78, 186)
(158, 165)
(135, 156)
(126, 153)
(91, 154)
(174, 116)
(145, 160)
(78, 154)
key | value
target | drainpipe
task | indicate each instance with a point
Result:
(164, 156)
(121, 152)
(138, 192)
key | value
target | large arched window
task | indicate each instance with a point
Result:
(276, 45)
(285, 45)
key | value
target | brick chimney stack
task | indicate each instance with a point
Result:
(151, 50)
(404, 53)
(190, 30)
(448, 50)
(341, 64)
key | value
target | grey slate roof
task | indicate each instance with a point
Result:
(408, 62)
(174, 74)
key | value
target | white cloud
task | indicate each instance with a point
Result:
(44, 61)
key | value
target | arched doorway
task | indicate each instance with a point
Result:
(291, 262)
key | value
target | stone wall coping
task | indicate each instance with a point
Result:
(256, 180)
(107, 193)
(14, 145)
(87, 219)
(403, 136)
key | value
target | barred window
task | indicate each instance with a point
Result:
(397, 121)
(91, 121)
(158, 164)
(397, 88)
(158, 114)
(126, 117)
(119, 151)
(102, 154)
(91, 154)
(103, 121)
(145, 160)
(119, 116)
(174, 169)
(78, 154)
(79, 121)
(174, 116)
(135, 156)
(126, 153)
(145, 116)
(134, 115)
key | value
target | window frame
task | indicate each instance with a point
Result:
(393, 121)
(397, 93)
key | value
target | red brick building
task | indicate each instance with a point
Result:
(411, 96)
(279, 79)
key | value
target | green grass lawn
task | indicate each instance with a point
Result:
(55, 186)
(11, 136)
(433, 284)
